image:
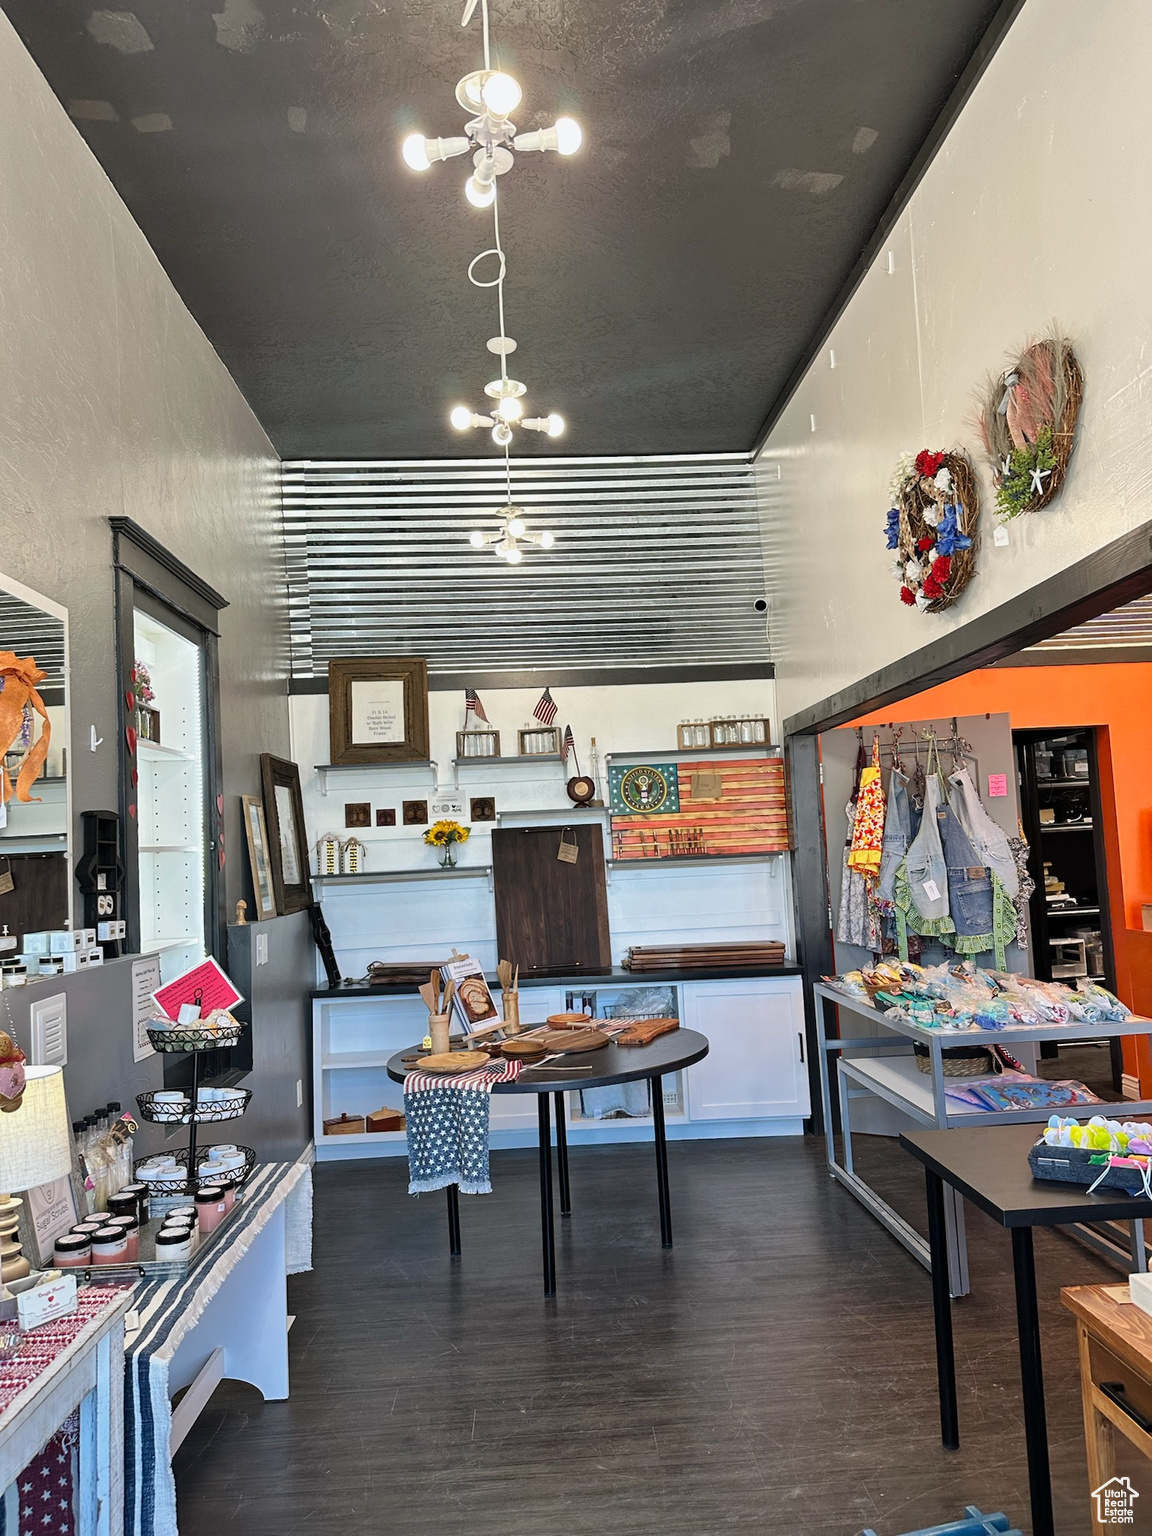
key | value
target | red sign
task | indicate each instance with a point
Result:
(205, 984)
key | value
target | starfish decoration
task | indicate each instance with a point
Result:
(1005, 465)
(1038, 477)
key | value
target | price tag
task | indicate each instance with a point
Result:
(1000, 536)
(567, 852)
(997, 785)
(931, 890)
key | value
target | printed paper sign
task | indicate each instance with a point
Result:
(377, 711)
(997, 785)
(205, 985)
(145, 980)
(931, 890)
(472, 1004)
(52, 1208)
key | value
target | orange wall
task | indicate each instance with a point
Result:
(1118, 698)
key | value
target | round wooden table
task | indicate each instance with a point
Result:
(611, 1064)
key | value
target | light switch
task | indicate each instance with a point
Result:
(261, 949)
(50, 1031)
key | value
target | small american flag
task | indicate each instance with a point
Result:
(569, 744)
(473, 706)
(545, 710)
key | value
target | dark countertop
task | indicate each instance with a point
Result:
(616, 977)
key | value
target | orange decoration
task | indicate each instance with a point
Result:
(20, 680)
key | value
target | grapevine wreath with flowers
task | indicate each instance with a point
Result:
(932, 527)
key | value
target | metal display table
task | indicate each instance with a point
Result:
(611, 1064)
(990, 1168)
(882, 1065)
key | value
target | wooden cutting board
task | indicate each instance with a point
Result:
(644, 1031)
(523, 1050)
(573, 1040)
(450, 1063)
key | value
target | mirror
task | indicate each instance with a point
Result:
(34, 834)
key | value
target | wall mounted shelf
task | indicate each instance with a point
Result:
(153, 751)
(497, 762)
(351, 770)
(394, 876)
(678, 754)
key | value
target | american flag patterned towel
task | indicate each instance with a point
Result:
(448, 1128)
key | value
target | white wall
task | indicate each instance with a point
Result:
(112, 402)
(655, 904)
(1036, 208)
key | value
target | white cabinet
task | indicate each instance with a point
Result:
(755, 1066)
(519, 1111)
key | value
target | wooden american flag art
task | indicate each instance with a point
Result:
(734, 806)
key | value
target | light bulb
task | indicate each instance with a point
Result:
(517, 528)
(502, 434)
(476, 539)
(555, 424)
(546, 540)
(415, 152)
(510, 408)
(479, 195)
(461, 418)
(501, 95)
(514, 556)
(569, 135)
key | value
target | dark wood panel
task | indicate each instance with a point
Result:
(550, 915)
(40, 897)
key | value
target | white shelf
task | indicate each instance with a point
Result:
(387, 876)
(358, 1138)
(168, 848)
(593, 815)
(153, 751)
(487, 762)
(899, 1078)
(183, 941)
(421, 766)
(352, 1060)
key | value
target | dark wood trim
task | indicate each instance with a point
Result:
(1108, 577)
(965, 85)
(579, 677)
(279, 771)
(412, 673)
(126, 792)
(126, 528)
(1080, 656)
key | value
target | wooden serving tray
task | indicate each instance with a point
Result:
(523, 1050)
(451, 1063)
(644, 1031)
(573, 1040)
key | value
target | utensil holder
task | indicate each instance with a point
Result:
(511, 1012)
(438, 1027)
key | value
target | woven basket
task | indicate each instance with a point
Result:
(917, 494)
(957, 1060)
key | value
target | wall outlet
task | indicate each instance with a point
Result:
(299, 1093)
(50, 1031)
(261, 949)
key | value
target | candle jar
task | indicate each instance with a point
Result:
(72, 1251)
(210, 1208)
(174, 1245)
(110, 1246)
(143, 1203)
(131, 1230)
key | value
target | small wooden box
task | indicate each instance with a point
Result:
(386, 1120)
(540, 741)
(745, 732)
(345, 1125)
(480, 743)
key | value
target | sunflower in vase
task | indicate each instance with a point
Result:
(445, 835)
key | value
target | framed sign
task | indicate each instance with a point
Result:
(256, 831)
(287, 839)
(378, 709)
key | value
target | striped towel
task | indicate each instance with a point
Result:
(167, 1309)
(448, 1128)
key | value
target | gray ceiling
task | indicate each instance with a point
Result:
(662, 284)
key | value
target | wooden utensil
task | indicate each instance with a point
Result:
(450, 1063)
(446, 1000)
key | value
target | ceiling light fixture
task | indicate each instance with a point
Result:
(513, 531)
(491, 94)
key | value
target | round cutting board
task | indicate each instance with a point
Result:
(451, 1063)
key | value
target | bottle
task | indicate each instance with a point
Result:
(97, 1162)
(80, 1137)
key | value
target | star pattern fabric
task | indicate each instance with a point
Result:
(448, 1128)
(46, 1489)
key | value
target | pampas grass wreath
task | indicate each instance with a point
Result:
(919, 504)
(1027, 422)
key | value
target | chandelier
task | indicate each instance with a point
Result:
(491, 94)
(512, 532)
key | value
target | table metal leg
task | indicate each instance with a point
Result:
(547, 1229)
(1032, 1381)
(562, 1155)
(942, 1311)
(453, 1193)
(1139, 1250)
(657, 1087)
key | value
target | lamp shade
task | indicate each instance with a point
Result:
(35, 1147)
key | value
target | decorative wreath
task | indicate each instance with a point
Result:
(932, 526)
(1028, 424)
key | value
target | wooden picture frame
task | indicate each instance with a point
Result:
(378, 709)
(287, 837)
(259, 862)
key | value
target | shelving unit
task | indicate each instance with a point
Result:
(498, 762)
(195, 1041)
(417, 767)
(392, 876)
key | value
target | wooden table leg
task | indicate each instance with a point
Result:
(1099, 1436)
(942, 1313)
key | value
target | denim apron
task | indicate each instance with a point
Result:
(989, 840)
(969, 882)
(897, 835)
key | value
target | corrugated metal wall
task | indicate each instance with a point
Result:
(657, 562)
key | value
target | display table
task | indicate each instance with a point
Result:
(227, 1317)
(990, 1168)
(611, 1064)
(881, 1064)
(69, 1364)
(1114, 1339)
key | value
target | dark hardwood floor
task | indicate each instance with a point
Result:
(770, 1376)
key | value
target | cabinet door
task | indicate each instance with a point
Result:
(755, 1065)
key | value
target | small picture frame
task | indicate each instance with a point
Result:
(477, 743)
(539, 741)
(287, 838)
(386, 818)
(378, 709)
(415, 813)
(358, 814)
(483, 808)
(256, 832)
